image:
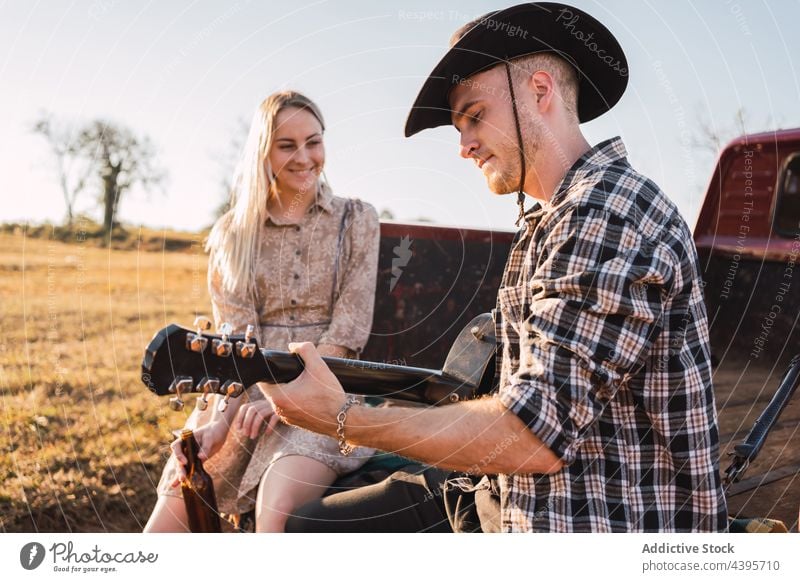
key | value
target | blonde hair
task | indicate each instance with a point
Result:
(233, 240)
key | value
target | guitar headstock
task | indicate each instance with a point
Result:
(180, 361)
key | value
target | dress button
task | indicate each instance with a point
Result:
(298, 252)
(293, 302)
(297, 228)
(291, 318)
(296, 276)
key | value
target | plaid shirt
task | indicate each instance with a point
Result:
(605, 357)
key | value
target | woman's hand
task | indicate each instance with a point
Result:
(334, 351)
(252, 416)
(210, 438)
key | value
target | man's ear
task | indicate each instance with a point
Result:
(543, 88)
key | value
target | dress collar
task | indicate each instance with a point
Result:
(323, 201)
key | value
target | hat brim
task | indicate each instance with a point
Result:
(524, 30)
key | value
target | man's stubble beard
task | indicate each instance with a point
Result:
(506, 180)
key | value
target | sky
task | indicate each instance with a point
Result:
(185, 73)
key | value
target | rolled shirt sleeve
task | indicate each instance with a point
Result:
(586, 318)
(351, 317)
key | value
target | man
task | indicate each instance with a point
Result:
(604, 419)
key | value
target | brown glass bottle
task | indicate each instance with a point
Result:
(198, 490)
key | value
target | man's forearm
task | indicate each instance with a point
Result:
(477, 437)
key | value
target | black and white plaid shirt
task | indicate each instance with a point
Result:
(606, 359)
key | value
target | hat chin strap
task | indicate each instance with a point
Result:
(520, 193)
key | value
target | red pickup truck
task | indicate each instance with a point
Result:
(748, 240)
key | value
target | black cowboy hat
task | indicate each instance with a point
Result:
(519, 31)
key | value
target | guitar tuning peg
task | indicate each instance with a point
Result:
(181, 385)
(208, 386)
(231, 389)
(196, 342)
(223, 404)
(223, 347)
(247, 348)
(202, 323)
(225, 330)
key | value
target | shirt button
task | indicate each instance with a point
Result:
(291, 318)
(296, 276)
(297, 228)
(293, 302)
(298, 252)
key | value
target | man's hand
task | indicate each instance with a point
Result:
(313, 399)
(210, 437)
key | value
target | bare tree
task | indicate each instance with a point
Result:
(710, 138)
(71, 171)
(119, 160)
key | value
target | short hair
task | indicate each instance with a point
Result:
(563, 73)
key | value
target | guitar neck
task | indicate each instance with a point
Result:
(179, 361)
(372, 378)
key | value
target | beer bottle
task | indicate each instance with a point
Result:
(198, 490)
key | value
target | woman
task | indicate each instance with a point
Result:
(299, 264)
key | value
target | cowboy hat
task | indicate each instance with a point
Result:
(522, 30)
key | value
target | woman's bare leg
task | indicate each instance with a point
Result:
(169, 515)
(287, 484)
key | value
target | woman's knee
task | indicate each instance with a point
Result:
(276, 505)
(169, 516)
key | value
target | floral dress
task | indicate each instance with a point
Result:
(315, 282)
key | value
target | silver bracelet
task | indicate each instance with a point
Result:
(344, 448)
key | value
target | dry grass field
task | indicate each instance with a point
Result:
(82, 440)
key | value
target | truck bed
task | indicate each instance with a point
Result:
(741, 396)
